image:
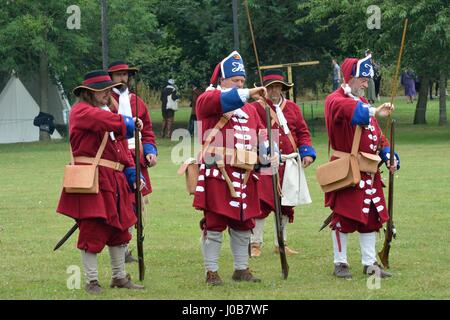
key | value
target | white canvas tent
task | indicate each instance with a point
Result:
(17, 111)
(58, 105)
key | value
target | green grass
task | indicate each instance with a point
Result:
(30, 180)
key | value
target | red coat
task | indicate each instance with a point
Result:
(354, 202)
(148, 136)
(300, 132)
(114, 202)
(212, 192)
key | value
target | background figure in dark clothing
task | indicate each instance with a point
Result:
(196, 92)
(377, 78)
(408, 81)
(168, 114)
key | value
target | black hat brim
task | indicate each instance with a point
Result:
(286, 85)
(130, 70)
(100, 86)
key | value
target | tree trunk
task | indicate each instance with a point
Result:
(443, 121)
(421, 107)
(43, 80)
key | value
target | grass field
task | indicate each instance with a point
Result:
(30, 180)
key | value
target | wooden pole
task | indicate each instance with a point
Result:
(235, 25)
(105, 48)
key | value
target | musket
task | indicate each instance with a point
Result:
(390, 232)
(137, 192)
(66, 236)
(275, 175)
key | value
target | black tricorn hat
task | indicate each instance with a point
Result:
(97, 80)
(272, 76)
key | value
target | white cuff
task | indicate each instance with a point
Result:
(244, 94)
(372, 111)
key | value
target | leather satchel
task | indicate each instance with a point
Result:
(343, 172)
(191, 166)
(191, 169)
(83, 178)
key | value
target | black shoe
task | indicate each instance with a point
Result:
(377, 270)
(342, 270)
(129, 258)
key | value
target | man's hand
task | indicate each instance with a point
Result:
(142, 186)
(393, 168)
(275, 161)
(151, 160)
(257, 93)
(139, 124)
(306, 161)
(384, 110)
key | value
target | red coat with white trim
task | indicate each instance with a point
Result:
(212, 193)
(114, 202)
(302, 138)
(354, 202)
(147, 136)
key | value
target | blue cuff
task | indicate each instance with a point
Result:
(230, 100)
(361, 114)
(129, 123)
(130, 173)
(307, 151)
(149, 149)
(385, 155)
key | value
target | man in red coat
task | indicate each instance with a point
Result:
(103, 218)
(360, 208)
(227, 195)
(124, 102)
(294, 145)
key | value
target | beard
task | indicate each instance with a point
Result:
(275, 98)
(358, 92)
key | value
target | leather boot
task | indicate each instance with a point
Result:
(125, 283)
(377, 270)
(341, 270)
(255, 249)
(93, 287)
(213, 278)
(244, 275)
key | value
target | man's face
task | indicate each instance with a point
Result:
(358, 85)
(274, 92)
(120, 76)
(102, 97)
(233, 82)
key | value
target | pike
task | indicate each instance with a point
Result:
(390, 232)
(275, 175)
(137, 192)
